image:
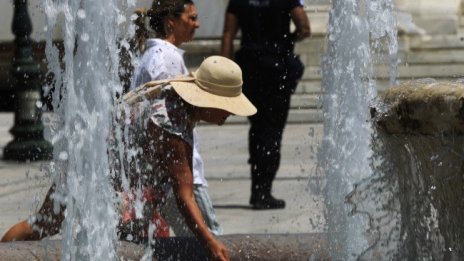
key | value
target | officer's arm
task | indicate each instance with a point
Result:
(301, 21)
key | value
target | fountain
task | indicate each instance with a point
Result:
(357, 29)
(402, 176)
(413, 200)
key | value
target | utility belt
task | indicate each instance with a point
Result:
(280, 48)
(280, 66)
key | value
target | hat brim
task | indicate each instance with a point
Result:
(194, 95)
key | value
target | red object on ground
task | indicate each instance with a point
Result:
(161, 226)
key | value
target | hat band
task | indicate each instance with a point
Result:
(217, 89)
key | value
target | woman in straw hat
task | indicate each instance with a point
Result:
(174, 22)
(164, 132)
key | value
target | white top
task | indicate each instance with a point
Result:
(163, 60)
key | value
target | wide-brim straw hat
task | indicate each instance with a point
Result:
(217, 83)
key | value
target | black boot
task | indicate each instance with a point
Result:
(261, 197)
(266, 201)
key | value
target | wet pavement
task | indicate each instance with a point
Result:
(224, 150)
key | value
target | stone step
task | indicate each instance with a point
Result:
(427, 42)
(305, 101)
(448, 70)
(434, 56)
(309, 87)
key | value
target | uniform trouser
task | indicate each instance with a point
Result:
(268, 81)
(265, 134)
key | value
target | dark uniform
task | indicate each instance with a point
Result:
(270, 73)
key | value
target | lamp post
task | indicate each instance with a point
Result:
(28, 142)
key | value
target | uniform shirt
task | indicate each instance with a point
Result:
(163, 60)
(265, 24)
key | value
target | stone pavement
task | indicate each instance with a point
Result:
(224, 149)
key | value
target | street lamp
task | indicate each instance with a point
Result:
(28, 142)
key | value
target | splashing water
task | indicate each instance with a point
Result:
(86, 84)
(357, 31)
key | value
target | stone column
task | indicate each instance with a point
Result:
(28, 143)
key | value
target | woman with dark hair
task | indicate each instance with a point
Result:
(174, 22)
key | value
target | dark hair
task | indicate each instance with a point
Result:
(160, 10)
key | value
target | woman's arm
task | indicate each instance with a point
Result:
(301, 21)
(47, 223)
(228, 35)
(19, 232)
(178, 161)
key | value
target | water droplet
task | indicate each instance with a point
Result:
(85, 37)
(133, 17)
(81, 14)
(121, 19)
(78, 228)
(63, 156)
